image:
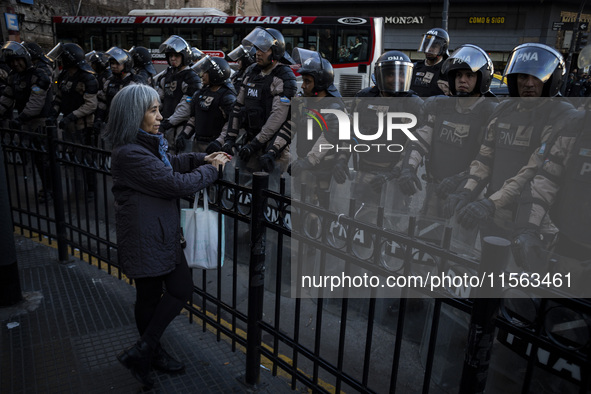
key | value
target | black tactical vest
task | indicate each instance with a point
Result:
(209, 119)
(456, 136)
(424, 79)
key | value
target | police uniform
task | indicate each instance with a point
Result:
(263, 108)
(426, 80)
(77, 95)
(30, 94)
(561, 188)
(513, 149)
(209, 112)
(112, 86)
(448, 142)
(176, 89)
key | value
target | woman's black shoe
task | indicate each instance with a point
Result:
(138, 359)
(164, 362)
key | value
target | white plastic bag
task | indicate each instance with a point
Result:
(200, 228)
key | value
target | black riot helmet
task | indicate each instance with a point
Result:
(71, 55)
(99, 61)
(246, 55)
(217, 68)
(176, 44)
(394, 72)
(473, 58)
(142, 58)
(311, 63)
(540, 61)
(265, 39)
(36, 52)
(434, 37)
(14, 50)
(122, 57)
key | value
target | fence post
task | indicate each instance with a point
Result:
(58, 196)
(481, 334)
(256, 278)
(10, 284)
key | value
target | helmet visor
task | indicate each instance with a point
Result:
(465, 58)
(306, 58)
(534, 60)
(238, 53)
(203, 65)
(394, 77)
(260, 39)
(196, 54)
(56, 52)
(174, 44)
(432, 44)
(118, 54)
(13, 49)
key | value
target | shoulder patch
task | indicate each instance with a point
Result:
(284, 99)
(189, 99)
(36, 89)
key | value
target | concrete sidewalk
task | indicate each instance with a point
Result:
(76, 318)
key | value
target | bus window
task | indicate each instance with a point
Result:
(220, 39)
(119, 37)
(151, 38)
(326, 44)
(353, 45)
(293, 38)
(191, 35)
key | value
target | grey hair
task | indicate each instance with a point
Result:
(127, 111)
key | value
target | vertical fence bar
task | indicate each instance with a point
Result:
(58, 197)
(256, 279)
(495, 254)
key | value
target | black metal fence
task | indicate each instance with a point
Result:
(411, 343)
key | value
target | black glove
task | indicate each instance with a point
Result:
(180, 143)
(14, 124)
(474, 212)
(165, 125)
(341, 171)
(229, 146)
(448, 185)
(248, 150)
(267, 161)
(296, 168)
(409, 182)
(456, 201)
(214, 146)
(526, 247)
(65, 122)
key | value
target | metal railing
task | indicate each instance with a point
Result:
(326, 344)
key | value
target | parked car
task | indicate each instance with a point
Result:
(499, 86)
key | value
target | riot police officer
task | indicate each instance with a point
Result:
(317, 83)
(454, 129)
(263, 104)
(176, 87)
(392, 93)
(515, 143)
(244, 58)
(427, 78)
(99, 61)
(39, 58)
(28, 90)
(143, 69)
(121, 64)
(210, 106)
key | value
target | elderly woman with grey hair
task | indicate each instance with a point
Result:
(147, 183)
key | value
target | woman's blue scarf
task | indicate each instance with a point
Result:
(162, 147)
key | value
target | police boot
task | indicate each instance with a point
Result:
(164, 362)
(138, 359)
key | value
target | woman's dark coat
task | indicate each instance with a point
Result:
(146, 211)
